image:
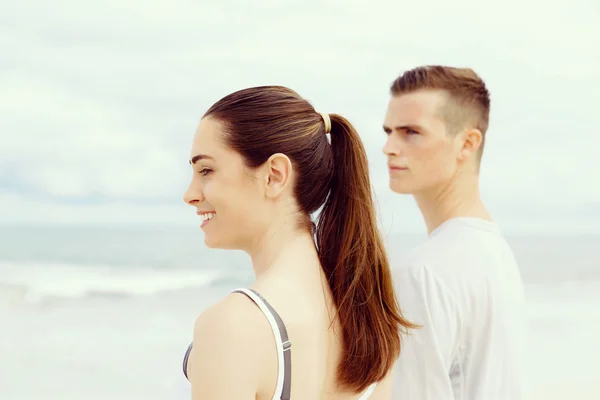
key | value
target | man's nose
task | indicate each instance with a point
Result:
(390, 148)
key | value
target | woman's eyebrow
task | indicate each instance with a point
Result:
(198, 157)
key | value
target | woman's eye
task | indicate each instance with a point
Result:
(412, 132)
(204, 171)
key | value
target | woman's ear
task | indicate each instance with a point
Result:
(278, 169)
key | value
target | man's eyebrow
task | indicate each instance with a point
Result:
(403, 128)
(198, 157)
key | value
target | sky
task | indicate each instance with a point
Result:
(99, 100)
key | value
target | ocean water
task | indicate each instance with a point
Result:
(96, 313)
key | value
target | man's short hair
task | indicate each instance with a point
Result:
(468, 103)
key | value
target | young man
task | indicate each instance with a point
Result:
(462, 285)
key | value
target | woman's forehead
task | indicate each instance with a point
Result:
(208, 138)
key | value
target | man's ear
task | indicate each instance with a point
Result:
(278, 170)
(471, 142)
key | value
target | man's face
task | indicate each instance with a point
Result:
(421, 153)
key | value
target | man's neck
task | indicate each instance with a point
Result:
(459, 198)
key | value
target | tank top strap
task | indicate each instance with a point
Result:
(368, 392)
(282, 342)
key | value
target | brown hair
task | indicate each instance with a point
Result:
(469, 99)
(264, 120)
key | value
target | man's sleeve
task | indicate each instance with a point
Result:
(426, 355)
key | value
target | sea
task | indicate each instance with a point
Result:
(107, 313)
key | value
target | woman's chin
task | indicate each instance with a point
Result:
(210, 242)
(213, 242)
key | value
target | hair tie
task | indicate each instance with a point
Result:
(327, 122)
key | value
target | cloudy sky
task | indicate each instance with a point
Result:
(99, 100)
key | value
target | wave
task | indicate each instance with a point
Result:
(44, 279)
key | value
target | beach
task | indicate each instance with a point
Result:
(96, 314)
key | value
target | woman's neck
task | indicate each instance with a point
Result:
(283, 248)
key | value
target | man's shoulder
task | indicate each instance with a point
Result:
(418, 275)
(436, 266)
(458, 252)
(429, 257)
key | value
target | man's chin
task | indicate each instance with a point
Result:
(400, 189)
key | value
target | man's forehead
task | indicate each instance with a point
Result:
(412, 108)
(420, 102)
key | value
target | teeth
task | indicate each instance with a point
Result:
(205, 217)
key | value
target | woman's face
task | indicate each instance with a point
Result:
(228, 195)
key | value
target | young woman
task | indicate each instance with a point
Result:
(320, 320)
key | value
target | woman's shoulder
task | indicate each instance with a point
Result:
(229, 339)
(232, 321)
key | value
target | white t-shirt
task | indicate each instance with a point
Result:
(464, 287)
